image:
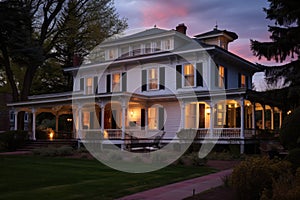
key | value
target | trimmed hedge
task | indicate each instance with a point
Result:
(12, 140)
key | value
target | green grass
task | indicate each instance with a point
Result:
(34, 177)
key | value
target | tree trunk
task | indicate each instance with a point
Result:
(28, 78)
(10, 75)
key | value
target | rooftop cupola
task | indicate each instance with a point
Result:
(217, 37)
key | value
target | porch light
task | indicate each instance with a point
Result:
(69, 119)
(248, 104)
(105, 134)
(131, 113)
(51, 134)
(289, 112)
(208, 110)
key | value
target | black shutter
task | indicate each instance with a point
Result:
(199, 73)
(144, 80)
(162, 78)
(178, 76)
(91, 120)
(225, 78)
(161, 118)
(143, 118)
(124, 82)
(108, 83)
(239, 80)
(82, 84)
(247, 82)
(96, 84)
(217, 76)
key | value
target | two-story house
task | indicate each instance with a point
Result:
(159, 80)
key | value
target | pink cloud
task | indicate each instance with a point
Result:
(162, 14)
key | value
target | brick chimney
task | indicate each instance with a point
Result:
(181, 28)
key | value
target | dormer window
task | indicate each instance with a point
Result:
(136, 50)
(89, 86)
(221, 76)
(243, 81)
(156, 46)
(148, 48)
(112, 54)
(167, 44)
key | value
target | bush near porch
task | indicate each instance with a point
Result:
(265, 179)
(12, 140)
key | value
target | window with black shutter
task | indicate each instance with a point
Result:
(178, 76)
(96, 84)
(199, 72)
(162, 78)
(82, 84)
(108, 83)
(144, 80)
(161, 118)
(124, 81)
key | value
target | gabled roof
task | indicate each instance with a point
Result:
(149, 32)
(217, 32)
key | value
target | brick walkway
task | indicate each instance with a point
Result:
(181, 190)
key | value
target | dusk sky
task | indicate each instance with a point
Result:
(244, 17)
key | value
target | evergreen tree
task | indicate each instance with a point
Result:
(284, 44)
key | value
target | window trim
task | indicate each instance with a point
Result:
(158, 78)
(183, 76)
(111, 81)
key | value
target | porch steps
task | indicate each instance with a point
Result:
(29, 146)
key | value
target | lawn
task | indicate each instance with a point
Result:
(34, 177)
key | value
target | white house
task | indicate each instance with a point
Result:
(159, 80)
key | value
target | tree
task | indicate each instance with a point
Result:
(32, 32)
(284, 44)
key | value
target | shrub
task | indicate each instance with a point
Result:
(289, 133)
(287, 187)
(255, 175)
(12, 140)
(294, 157)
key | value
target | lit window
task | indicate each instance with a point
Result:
(190, 116)
(221, 76)
(116, 81)
(152, 118)
(243, 81)
(86, 120)
(189, 75)
(89, 86)
(153, 79)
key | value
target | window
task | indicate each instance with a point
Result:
(26, 117)
(148, 48)
(243, 81)
(189, 75)
(124, 51)
(153, 79)
(167, 44)
(11, 116)
(156, 46)
(89, 86)
(191, 116)
(112, 54)
(136, 50)
(221, 80)
(116, 82)
(152, 118)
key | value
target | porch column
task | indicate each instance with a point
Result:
(102, 106)
(182, 125)
(280, 118)
(33, 123)
(79, 121)
(263, 117)
(272, 119)
(242, 103)
(146, 119)
(16, 119)
(253, 116)
(56, 122)
(124, 107)
(211, 119)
